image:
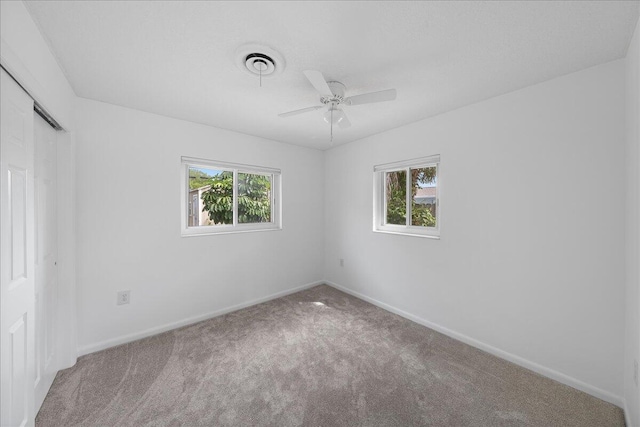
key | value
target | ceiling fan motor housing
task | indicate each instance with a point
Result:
(337, 89)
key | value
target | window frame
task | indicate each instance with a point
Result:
(235, 227)
(380, 200)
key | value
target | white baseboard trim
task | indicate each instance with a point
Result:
(92, 348)
(627, 417)
(542, 370)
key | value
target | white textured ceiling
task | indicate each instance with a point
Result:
(177, 58)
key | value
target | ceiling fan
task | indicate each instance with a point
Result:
(332, 98)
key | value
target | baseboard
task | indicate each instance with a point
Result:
(542, 370)
(627, 417)
(102, 345)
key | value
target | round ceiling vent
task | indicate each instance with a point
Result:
(259, 60)
(259, 63)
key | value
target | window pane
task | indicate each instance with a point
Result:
(424, 200)
(254, 198)
(396, 197)
(210, 197)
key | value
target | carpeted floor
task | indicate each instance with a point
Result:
(316, 358)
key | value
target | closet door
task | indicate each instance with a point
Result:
(46, 257)
(16, 255)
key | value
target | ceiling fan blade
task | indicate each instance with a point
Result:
(344, 123)
(302, 110)
(366, 98)
(318, 81)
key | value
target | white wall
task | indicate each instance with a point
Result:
(632, 299)
(530, 261)
(128, 220)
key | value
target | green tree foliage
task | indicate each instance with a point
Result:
(397, 197)
(396, 187)
(423, 215)
(254, 198)
(423, 176)
(198, 179)
(218, 200)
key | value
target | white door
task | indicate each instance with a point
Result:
(16, 255)
(46, 257)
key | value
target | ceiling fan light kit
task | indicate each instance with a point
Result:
(334, 115)
(332, 95)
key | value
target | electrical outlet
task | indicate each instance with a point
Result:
(123, 297)
(341, 262)
(635, 372)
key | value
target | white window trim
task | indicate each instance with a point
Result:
(276, 198)
(379, 200)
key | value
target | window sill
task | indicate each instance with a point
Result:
(408, 233)
(186, 233)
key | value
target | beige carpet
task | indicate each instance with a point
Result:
(316, 358)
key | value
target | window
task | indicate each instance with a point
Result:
(406, 197)
(221, 197)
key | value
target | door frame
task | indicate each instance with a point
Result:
(66, 338)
